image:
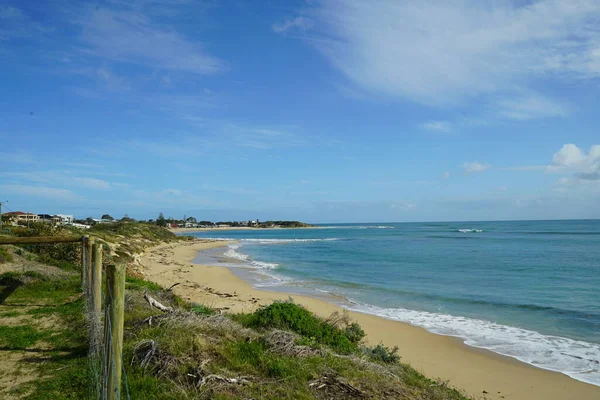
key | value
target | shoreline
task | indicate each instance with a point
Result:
(479, 372)
(236, 228)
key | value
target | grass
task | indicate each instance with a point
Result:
(191, 353)
(290, 316)
(20, 337)
(5, 255)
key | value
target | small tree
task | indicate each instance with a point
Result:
(161, 221)
(108, 217)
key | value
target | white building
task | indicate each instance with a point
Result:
(65, 219)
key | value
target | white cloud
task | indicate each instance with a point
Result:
(127, 35)
(530, 107)
(475, 166)
(40, 191)
(17, 158)
(93, 183)
(440, 52)
(446, 175)
(298, 23)
(437, 126)
(573, 160)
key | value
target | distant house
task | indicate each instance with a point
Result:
(81, 226)
(21, 218)
(65, 219)
(102, 220)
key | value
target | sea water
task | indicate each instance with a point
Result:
(525, 289)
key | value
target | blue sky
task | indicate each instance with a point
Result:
(324, 111)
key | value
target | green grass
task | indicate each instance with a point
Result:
(5, 256)
(20, 337)
(141, 284)
(290, 316)
(202, 309)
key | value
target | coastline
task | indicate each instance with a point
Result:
(481, 373)
(235, 228)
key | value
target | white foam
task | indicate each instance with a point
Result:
(232, 253)
(470, 230)
(577, 359)
(358, 227)
(268, 240)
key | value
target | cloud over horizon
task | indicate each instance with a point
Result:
(447, 53)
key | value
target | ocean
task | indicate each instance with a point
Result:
(525, 289)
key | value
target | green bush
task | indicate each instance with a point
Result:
(5, 256)
(290, 316)
(382, 354)
(354, 332)
(141, 284)
(52, 254)
(202, 309)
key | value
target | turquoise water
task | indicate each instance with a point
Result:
(527, 289)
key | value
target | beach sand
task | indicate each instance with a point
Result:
(480, 373)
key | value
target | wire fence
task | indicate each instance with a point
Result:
(104, 315)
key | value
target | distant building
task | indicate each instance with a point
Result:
(21, 218)
(65, 219)
(81, 226)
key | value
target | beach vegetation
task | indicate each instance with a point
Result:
(280, 351)
(5, 255)
(383, 354)
(290, 316)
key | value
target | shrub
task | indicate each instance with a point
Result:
(5, 256)
(202, 309)
(354, 332)
(290, 316)
(382, 354)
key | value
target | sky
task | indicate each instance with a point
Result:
(321, 111)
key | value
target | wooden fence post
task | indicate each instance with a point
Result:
(96, 295)
(90, 260)
(84, 261)
(113, 331)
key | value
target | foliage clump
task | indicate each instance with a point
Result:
(382, 354)
(290, 316)
(5, 255)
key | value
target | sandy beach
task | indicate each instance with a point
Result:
(480, 373)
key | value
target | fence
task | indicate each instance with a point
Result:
(106, 345)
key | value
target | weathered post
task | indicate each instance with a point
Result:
(113, 331)
(90, 260)
(84, 261)
(96, 295)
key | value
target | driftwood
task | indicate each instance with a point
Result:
(172, 286)
(154, 303)
(330, 382)
(218, 378)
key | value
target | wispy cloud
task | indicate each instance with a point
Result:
(295, 24)
(62, 178)
(125, 34)
(446, 53)
(531, 107)
(40, 191)
(17, 158)
(437, 126)
(475, 166)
